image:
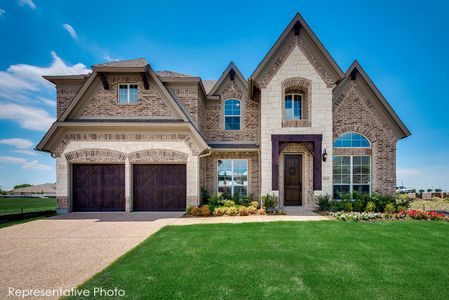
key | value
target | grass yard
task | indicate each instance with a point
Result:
(286, 260)
(14, 205)
(436, 204)
(11, 223)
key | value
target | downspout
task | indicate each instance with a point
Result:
(209, 152)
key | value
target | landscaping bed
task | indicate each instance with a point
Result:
(286, 260)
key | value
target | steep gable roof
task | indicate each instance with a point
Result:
(133, 63)
(298, 26)
(353, 73)
(234, 73)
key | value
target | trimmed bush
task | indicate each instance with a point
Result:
(323, 202)
(269, 201)
(370, 206)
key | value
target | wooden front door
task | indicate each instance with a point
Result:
(98, 187)
(159, 187)
(292, 180)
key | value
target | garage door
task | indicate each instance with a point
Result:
(98, 187)
(159, 187)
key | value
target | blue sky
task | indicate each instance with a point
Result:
(401, 44)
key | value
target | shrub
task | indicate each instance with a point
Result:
(254, 204)
(243, 211)
(232, 211)
(269, 201)
(357, 205)
(219, 211)
(347, 205)
(389, 208)
(261, 211)
(252, 210)
(228, 203)
(204, 196)
(323, 202)
(216, 200)
(370, 206)
(401, 208)
(403, 201)
(205, 211)
(189, 209)
(195, 211)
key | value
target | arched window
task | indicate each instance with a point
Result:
(351, 173)
(293, 106)
(232, 114)
(352, 140)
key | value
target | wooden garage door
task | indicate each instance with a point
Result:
(98, 187)
(159, 187)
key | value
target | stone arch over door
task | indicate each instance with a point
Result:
(158, 156)
(302, 86)
(94, 155)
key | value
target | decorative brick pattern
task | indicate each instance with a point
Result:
(354, 111)
(105, 102)
(302, 86)
(95, 156)
(126, 137)
(65, 95)
(209, 175)
(214, 120)
(290, 43)
(158, 156)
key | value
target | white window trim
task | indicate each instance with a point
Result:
(128, 94)
(225, 115)
(232, 175)
(351, 179)
(301, 101)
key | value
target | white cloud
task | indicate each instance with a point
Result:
(28, 3)
(2, 12)
(48, 102)
(26, 152)
(31, 165)
(26, 116)
(20, 82)
(71, 31)
(17, 142)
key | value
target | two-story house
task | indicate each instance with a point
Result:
(128, 138)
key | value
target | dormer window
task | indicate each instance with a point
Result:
(293, 107)
(232, 114)
(127, 93)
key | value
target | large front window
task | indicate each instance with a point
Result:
(292, 107)
(232, 114)
(351, 174)
(233, 176)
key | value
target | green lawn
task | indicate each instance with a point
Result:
(11, 223)
(14, 205)
(286, 260)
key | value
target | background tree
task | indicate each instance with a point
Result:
(18, 186)
(421, 191)
(438, 190)
(429, 190)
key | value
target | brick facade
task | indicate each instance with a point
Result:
(105, 103)
(354, 111)
(64, 95)
(209, 164)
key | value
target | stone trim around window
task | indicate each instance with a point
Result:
(158, 155)
(303, 86)
(95, 156)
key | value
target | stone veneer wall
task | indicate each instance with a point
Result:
(295, 65)
(355, 111)
(127, 152)
(249, 122)
(105, 103)
(308, 200)
(209, 175)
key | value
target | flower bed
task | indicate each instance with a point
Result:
(370, 216)
(220, 205)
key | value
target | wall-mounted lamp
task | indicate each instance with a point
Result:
(324, 155)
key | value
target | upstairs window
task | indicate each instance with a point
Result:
(127, 93)
(293, 107)
(352, 140)
(232, 114)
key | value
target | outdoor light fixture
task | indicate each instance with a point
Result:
(324, 155)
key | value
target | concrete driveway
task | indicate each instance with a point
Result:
(66, 250)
